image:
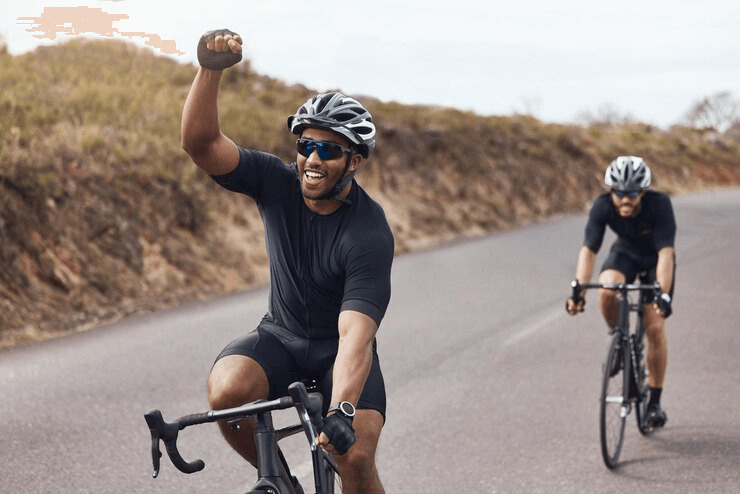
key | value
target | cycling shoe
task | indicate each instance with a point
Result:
(655, 417)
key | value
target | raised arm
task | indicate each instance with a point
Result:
(201, 135)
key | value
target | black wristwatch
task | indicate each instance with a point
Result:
(344, 407)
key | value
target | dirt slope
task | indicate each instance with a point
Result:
(103, 216)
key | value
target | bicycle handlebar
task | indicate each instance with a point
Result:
(168, 432)
(620, 287)
(311, 403)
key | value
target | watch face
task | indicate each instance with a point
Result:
(347, 408)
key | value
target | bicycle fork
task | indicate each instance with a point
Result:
(628, 356)
(627, 392)
(632, 379)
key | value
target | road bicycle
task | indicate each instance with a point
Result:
(624, 382)
(273, 472)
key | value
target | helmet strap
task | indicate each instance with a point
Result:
(341, 183)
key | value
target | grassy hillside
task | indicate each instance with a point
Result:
(103, 215)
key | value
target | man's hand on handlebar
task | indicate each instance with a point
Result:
(337, 435)
(576, 303)
(573, 308)
(662, 305)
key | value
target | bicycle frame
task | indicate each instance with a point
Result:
(272, 468)
(630, 340)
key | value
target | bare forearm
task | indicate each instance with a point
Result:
(200, 125)
(664, 268)
(351, 369)
(585, 266)
(354, 358)
(201, 133)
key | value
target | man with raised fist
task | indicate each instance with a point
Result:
(330, 252)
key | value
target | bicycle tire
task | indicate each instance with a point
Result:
(330, 476)
(612, 411)
(639, 376)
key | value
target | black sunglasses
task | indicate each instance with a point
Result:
(326, 150)
(632, 194)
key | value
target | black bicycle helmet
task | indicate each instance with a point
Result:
(339, 113)
(628, 173)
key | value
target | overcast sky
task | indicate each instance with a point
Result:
(647, 59)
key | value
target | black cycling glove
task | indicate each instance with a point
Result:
(338, 429)
(664, 303)
(577, 297)
(216, 60)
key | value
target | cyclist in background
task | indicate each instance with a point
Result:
(330, 252)
(646, 229)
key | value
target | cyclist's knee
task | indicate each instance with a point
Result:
(223, 395)
(654, 323)
(611, 276)
(235, 380)
(361, 456)
(607, 297)
(655, 333)
(359, 461)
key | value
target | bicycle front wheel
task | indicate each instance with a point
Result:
(641, 390)
(332, 483)
(614, 403)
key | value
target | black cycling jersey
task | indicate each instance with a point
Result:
(642, 235)
(319, 264)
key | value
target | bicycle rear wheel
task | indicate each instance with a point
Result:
(614, 405)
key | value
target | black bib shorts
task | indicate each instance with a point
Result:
(287, 358)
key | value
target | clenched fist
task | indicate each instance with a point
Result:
(219, 49)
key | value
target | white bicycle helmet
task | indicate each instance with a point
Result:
(339, 113)
(628, 173)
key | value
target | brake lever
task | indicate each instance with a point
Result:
(167, 432)
(309, 407)
(151, 420)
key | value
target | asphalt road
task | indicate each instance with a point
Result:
(491, 386)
